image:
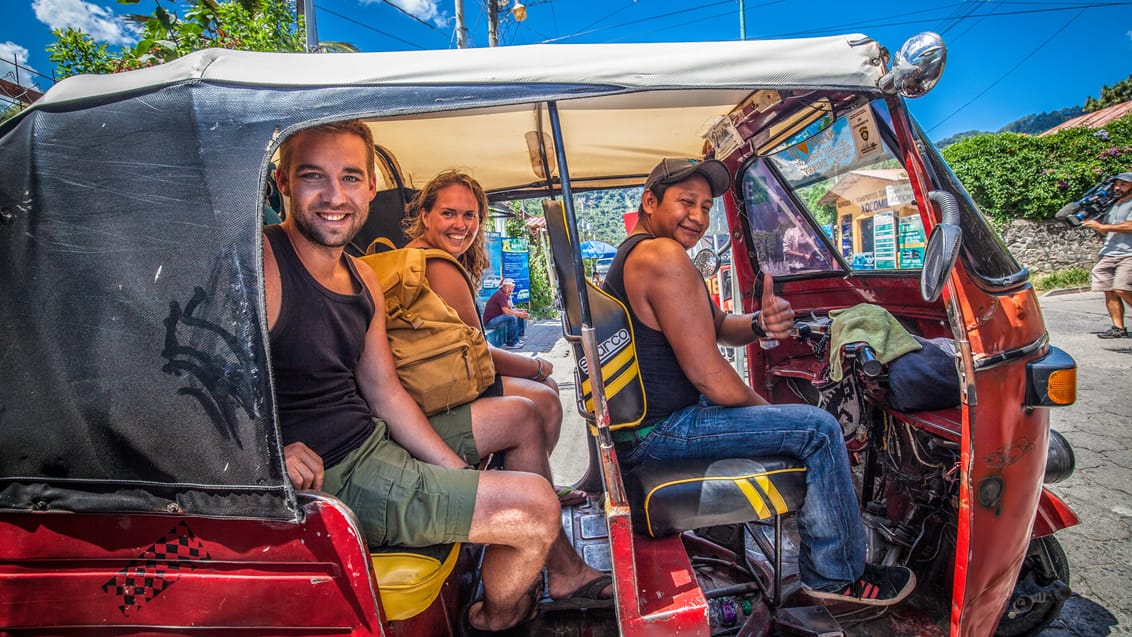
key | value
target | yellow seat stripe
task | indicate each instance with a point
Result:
(616, 363)
(772, 492)
(754, 498)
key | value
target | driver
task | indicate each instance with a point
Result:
(699, 407)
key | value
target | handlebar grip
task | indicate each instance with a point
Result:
(867, 357)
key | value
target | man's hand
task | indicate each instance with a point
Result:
(304, 467)
(1095, 225)
(777, 315)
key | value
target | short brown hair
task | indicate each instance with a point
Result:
(350, 127)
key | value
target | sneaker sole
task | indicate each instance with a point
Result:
(856, 601)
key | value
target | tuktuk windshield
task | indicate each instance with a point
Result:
(836, 189)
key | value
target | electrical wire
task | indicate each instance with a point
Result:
(1010, 70)
(322, 9)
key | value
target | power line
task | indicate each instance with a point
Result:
(371, 28)
(1012, 69)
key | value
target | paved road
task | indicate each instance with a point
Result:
(1100, 491)
(1098, 427)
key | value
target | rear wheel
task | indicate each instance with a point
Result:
(1041, 589)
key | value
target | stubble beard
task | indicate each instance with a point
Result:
(316, 235)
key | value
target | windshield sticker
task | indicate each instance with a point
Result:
(830, 151)
(865, 132)
(723, 137)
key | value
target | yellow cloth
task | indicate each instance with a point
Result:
(872, 324)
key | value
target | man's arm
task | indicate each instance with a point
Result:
(510, 310)
(1105, 228)
(377, 380)
(304, 466)
(667, 293)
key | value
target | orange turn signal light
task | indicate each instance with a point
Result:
(1062, 388)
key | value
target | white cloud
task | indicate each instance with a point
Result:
(424, 10)
(98, 22)
(1130, 35)
(11, 54)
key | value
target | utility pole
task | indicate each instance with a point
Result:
(461, 30)
(493, 22)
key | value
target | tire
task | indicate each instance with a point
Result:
(1032, 620)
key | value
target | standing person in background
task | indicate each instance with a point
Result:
(500, 312)
(1113, 272)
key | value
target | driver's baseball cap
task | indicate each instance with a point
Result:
(507, 282)
(1125, 177)
(674, 170)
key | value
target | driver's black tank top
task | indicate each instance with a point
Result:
(316, 344)
(667, 389)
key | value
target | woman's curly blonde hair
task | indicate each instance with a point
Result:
(474, 259)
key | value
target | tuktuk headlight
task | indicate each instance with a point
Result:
(1061, 461)
(1051, 381)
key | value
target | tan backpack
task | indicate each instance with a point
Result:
(441, 361)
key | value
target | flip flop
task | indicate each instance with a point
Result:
(586, 596)
(464, 627)
(569, 496)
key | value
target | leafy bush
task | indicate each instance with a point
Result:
(1067, 278)
(1013, 176)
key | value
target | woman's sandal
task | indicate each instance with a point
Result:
(586, 596)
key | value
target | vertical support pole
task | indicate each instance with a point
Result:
(312, 26)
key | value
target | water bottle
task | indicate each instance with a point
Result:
(727, 612)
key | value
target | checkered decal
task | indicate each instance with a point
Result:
(157, 568)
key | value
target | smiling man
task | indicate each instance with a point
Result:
(348, 425)
(699, 407)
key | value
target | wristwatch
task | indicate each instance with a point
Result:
(755, 327)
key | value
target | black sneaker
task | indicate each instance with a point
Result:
(1114, 332)
(878, 586)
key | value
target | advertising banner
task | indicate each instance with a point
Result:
(517, 265)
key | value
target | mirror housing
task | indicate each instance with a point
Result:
(943, 246)
(917, 67)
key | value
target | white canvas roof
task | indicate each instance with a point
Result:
(628, 106)
(846, 61)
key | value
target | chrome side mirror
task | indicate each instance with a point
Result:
(707, 262)
(917, 67)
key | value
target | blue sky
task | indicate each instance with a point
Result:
(1006, 59)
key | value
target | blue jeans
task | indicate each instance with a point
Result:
(514, 327)
(832, 554)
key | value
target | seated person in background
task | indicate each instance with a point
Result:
(699, 407)
(349, 427)
(500, 312)
(448, 214)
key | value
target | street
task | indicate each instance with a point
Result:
(1100, 492)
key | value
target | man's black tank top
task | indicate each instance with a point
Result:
(667, 389)
(316, 344)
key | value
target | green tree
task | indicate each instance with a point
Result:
(1018, 176)
(249, 25)
(10, 112)
(1116, 94)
